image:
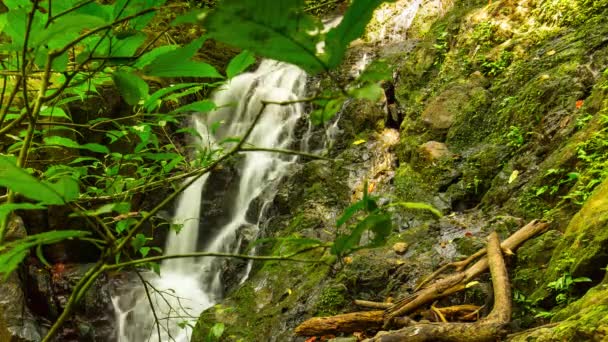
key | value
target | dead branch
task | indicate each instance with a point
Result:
(492, 326)
(489, 329)
(462, 264)
(501, 312)
(373, 305)
(457, 281)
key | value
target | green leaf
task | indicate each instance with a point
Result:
(11, 254)
(132, 88)
(65, 29)
(379, 224)
(350, 28)
(327, 112)
(154, 100)
(376, 71)
(182, 69)
(139, 241)
(18, 180)
(203, 106)
(371, 91)
(418, 206)
(279, 30)
(148, 57)
(54, 112)
(190, 17)
(216, 331)
(66, 142)
(127, 46)
(239, 63)
(350, 211)
(67, 187)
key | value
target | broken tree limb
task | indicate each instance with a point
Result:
(347, 323)
(489, 329)
(373, 320)
(445, 286)
(462, 264)
(501, 312)
(444, 332)
(373, 305)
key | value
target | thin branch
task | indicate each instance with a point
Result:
(283, 151)
(143, 281)
(11, 98)
(68, 11)
(59, 52)
(210, 167)
(209, 254)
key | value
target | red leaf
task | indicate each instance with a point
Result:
(579, 104)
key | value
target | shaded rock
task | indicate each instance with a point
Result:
(433, 150)
(17, 323)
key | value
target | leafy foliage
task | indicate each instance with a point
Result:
(66, 53)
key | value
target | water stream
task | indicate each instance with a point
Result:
(187, 286)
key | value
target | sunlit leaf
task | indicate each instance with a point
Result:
(239, 63)
(279, 30)
(203, 106)
(132, 88)
(67, 142)
(18, 180)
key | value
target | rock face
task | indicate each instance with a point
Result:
(501, 123)
(17, 323)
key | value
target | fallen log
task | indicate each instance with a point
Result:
(444, 332)
(488, 329)
(394, 316)
(458, 281)
(347, 323)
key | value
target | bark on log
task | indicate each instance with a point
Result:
(347, 323)
(501, 312)
(442, 332)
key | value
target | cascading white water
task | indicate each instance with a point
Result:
(394, 23)
(191, 285)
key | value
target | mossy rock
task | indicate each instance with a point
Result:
(582, 252)
(583, 320)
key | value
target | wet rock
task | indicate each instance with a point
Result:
(400, 248)
(433, 151)
(48, 293)
(16, 229)
(17, 323)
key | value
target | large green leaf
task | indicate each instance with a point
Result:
(11, 254)
(239, 63)
(18, 180)
(279, 30)
(203, 106)
(350, 28)
(66, 28)
(182, 69)
(379, 224)
(132, 88)
(183, 53)
(67, 142)
(148, 57)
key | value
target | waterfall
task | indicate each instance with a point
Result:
(188, 285)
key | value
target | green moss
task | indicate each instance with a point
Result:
(331, 301)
